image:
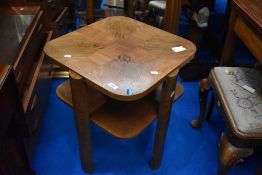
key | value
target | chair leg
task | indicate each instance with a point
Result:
(210, 107)
(230, 155)
(203, 92)
(167, 95)
(79, 97)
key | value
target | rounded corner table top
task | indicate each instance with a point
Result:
(121, 57)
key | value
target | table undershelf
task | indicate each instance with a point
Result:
(125, 119)
(121, 119)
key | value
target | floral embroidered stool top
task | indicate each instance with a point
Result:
(240, 94)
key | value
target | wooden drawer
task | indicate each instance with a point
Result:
(37, 96)
(28, 54)
(53, 8)
(60, 25)
(39, 90)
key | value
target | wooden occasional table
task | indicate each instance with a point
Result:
(246, 23)
(124, 60)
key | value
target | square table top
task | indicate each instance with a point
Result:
(121, 57)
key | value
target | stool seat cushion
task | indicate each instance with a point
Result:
(160, 5)
(240, 94)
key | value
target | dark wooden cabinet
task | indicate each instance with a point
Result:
(22, 42)
(25, 28)
(25, 25)
(26, 59)
(37, 100)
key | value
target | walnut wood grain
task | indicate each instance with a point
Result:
(121, 51)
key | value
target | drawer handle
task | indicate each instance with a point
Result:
(53, 6)
(49, 1)
(18, 77)
(33, 105)
(39, 28)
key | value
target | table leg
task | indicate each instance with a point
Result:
(168, 91)
(227, 53)
(79, 97)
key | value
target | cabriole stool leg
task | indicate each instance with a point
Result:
(230, 155)
(203, 92)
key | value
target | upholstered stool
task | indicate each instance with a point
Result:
(239, 94)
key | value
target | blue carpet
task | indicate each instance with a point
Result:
(187, 151)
